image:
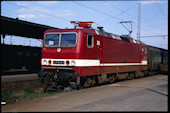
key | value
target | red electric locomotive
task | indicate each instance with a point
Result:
(85, 57)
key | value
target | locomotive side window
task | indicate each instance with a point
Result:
(90, 41)
(52, 40)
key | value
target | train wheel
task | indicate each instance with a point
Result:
(112, 79)
(130, 76)
(145, 73)
(47, 88)
(78, 87)
(93, 81)
(99, 79)
(87, 82)
(139, 74)
(142, 74)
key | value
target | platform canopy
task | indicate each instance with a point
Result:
(22, 28)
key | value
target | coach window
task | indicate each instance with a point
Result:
(36, 54)
(20, 53)
(90, 41)
(28, 54)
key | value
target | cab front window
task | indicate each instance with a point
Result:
(68, 40)
(52, 40)
(60, 40)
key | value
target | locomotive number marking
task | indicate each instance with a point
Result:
(58, 62)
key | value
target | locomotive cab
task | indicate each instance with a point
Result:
(65, 52)
(60, 50)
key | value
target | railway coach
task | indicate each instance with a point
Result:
(157, 60)
(85, 57)
(18, 57)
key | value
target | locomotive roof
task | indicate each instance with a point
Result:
(119, 37)
(102, 33)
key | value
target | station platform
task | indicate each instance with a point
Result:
(18, 77)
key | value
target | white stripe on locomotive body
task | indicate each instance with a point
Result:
(88, 62)
(78, 62)
(144, 62)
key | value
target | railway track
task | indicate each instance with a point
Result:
(18, 85)
(16, 82)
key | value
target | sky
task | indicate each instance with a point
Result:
(108, 14)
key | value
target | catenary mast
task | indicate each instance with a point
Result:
(138, 30)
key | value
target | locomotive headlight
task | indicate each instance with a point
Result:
(73, 63)
(44, 62)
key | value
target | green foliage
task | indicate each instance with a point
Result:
(28, 89)
(5, 94)
(28, 92)
(27, 97)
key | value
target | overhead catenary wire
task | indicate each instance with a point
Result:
(96, 10)
(146, 21)
(79, 4)
(155, 36)
(115, 17)
(160, 8)
(119, 13)
(107, 14)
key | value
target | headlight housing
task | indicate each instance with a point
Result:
(73, 63)
(67, 62)
(44, 62)
(49, 62)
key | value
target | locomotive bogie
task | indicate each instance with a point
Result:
(62, 78)
(131, 76)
